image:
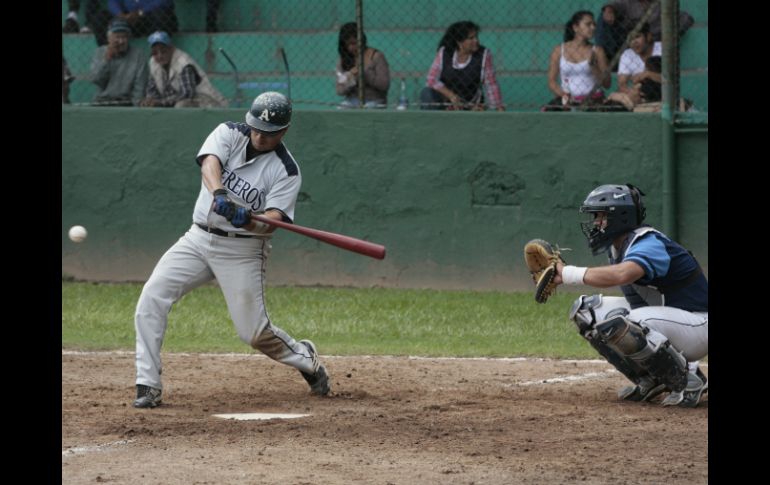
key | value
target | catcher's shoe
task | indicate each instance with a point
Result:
(647, 389)
(673, 399)
(147, 397)
(697, 384)
(319, 382)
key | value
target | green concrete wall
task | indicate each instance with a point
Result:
(453, 196)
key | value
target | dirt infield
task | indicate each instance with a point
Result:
(389, 420)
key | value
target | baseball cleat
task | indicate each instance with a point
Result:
(319, 382)
(697, 384)
(673, 399)
(647, 389)
(147, 397)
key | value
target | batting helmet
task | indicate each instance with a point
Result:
(625, 211)
(270, 111)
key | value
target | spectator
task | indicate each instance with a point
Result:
(646, 89)
(119, 70)
(66, 79)
(581, 66)
(176, 80)
(459, 70)
(97, 20)
(619, 17)
(146, 16)
(650, 80)
(71, 25)
(212, 15)
(610, 35)
(376, 71)
(632, 62)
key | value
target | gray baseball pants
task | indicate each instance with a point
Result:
(238, 264)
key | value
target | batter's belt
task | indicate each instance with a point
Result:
(222, 233)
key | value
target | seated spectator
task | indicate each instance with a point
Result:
(97, 20)
(645, 94)
(66, 79)
(581, 66)
(651, 81)
(176, 80)
(376, 71)
(619, 17)
(146, 16)
(119, 70)
(461, 68)
(632, 62)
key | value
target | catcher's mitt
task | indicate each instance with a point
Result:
(541, 258)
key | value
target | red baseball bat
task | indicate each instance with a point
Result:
(376, 251)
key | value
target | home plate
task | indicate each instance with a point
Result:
(253, 416)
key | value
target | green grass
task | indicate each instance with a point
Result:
(341, 321)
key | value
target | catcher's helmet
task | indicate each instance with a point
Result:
(624, 208)
(270, 111)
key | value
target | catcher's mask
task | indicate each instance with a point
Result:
(270, 112)
(624, 211)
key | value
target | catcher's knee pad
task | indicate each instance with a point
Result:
(651, 351)
(588, 309)
(583, 312)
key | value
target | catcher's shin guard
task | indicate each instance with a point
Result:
(624, 365)
(651, 351)
(583, 313)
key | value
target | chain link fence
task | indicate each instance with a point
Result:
(430, 54)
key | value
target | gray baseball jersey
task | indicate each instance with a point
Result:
(258, 181)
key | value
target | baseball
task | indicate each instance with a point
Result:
(78, 233)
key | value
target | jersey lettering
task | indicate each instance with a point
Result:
(228, 181)
(253, 196)
(241, 191)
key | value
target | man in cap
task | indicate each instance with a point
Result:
(118, 70)
(245, 168)
(176, 80)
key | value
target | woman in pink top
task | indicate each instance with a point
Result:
(462, 76)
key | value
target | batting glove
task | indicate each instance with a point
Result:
(241, 218)
(223, 205)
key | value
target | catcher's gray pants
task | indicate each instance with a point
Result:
(687, 331)
(238, 264)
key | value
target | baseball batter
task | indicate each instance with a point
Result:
(656, 334)
(245, 168)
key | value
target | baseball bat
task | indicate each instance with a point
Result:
(376, 251)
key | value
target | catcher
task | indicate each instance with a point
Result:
(658, 331)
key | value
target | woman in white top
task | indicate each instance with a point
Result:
(582, 66)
